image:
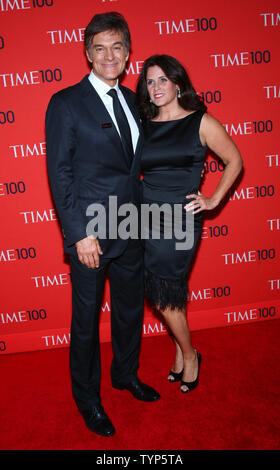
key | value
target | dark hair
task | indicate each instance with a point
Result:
(107, 21)
(189, 99)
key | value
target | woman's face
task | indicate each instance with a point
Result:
(161, 90)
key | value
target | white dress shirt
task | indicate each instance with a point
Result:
(102, 89)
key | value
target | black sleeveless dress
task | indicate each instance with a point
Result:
(172, 162)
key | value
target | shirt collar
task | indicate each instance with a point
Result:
(101, 87)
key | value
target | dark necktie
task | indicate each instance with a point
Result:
(122, 123)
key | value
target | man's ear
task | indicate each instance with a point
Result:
(88, 56)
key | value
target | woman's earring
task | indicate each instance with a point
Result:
(151, 100)
(178, 93)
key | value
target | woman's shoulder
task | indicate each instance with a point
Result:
(209, 122)
(212, 130)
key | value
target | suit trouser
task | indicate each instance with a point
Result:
(127, 298)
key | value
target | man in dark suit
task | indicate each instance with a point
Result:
(93, 153)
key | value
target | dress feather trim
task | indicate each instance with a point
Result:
(166, 293)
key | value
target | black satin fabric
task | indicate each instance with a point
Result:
(172, 158)
(172, 162)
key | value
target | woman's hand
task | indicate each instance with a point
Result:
(200, 203)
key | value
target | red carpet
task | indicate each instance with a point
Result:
(235, 407)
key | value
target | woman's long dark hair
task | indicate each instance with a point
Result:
(173, 70)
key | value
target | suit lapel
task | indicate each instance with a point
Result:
(99, 113)
(133, 108)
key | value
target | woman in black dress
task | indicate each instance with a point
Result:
(177, 132)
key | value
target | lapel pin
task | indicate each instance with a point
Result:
(106, 124)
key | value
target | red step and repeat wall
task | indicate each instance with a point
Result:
(231, 51)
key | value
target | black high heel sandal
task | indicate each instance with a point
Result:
(192, 385)
(177, 376)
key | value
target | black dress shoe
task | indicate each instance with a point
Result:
(139, 390)
(97, 421)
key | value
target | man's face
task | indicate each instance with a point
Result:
(108, 56)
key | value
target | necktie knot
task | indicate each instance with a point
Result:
(113, 93)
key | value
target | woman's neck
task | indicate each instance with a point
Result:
(170, 113)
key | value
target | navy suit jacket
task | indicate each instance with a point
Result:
(86, 161)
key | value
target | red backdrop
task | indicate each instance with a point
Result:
(231, 51)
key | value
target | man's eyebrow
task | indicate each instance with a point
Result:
(114, 44)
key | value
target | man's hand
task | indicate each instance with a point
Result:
(88, 250)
